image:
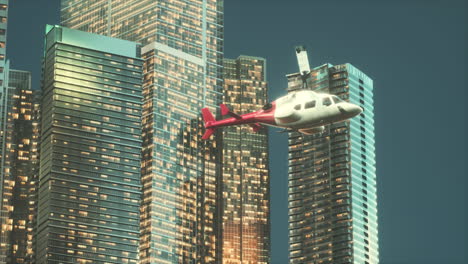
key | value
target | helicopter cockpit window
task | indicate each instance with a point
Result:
(326, 101)
(336, 99)
(297, 107)
(267, 106)
(310, 104)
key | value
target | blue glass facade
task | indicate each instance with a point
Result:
(332, 180)
(5, 97)
(90, 191)
(363, 188)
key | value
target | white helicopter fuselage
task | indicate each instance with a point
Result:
(304, 111)
(308, 111)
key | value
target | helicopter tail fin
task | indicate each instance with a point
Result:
(225, 111)
(208, 118)
(208, 133)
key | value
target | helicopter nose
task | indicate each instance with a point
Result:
(352, 109)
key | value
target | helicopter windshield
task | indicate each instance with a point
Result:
(336, 99)
(326, 101)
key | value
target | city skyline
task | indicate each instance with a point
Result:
(368, 48)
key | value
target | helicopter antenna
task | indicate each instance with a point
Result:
(303, 61)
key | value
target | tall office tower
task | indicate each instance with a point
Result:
(183, 41)
(246, 177)
(34, 153)
(4, 69)
(3, 39)
(89, 186)
(332, 181)
(19, 161)
(4, 66)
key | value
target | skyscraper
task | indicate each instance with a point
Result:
(4, 67)
(246, 179)
(332, 180)
(19, 174)
(89, 193)
(182, 55)
(4, 98)
(3, 38)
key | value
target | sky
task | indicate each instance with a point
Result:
(417, 54)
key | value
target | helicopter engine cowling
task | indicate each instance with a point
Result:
(313, 130)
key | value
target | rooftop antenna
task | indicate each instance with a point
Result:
(303, 61)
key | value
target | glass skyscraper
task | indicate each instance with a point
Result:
(182, 51)
(3, 39)
(246, 177)
(332, 180)
(4, 67)
(19, 169)
(90, 190)
(4, 100)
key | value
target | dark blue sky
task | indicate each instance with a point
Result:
(416, 53)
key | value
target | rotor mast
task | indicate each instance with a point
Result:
(303, 62)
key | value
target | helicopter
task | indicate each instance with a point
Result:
(305, 111)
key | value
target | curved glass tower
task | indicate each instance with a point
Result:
(332, 180)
